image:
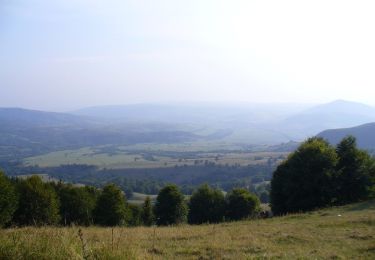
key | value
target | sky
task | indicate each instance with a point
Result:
(66, 54)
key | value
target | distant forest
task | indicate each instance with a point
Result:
(255, 178)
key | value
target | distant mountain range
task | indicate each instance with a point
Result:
(337, 114)
(30, 132)
(365, 135)
(26, 133)
(256, 123)
(36, 118)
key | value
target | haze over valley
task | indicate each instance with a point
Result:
(168, 135)
(214, 129)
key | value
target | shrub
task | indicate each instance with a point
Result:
(206, 205)
(241, 204)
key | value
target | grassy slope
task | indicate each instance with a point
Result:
(320, 234)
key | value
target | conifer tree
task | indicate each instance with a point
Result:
(111, 207)
(147, 213)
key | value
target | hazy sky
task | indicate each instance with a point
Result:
(66, 54)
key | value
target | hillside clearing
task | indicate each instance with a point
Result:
(341, 232)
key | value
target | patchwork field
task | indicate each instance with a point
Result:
(337, 233)
(152, 156)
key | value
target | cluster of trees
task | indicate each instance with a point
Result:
(206, 205)
(318, 174)
(151, 181)
(34, 202)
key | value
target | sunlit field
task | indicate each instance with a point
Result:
(343, 232)
(123, 158)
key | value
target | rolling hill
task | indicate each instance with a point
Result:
(35, 118)
(365, 135)
(29, 132)
(337, 114)
(25, 133)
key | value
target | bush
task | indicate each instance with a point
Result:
(206, 205)
(241, 204)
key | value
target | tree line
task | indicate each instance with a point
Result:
(151, 181)
(25, 202)
(318, 174)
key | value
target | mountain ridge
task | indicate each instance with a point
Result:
(365, 135)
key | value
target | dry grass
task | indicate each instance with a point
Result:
(318, 235)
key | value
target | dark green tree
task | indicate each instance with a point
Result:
(76, 205)
(8, 200)
(135, 216)
(147, 213)
(170, 206)
(304, 181)
(206, 205)
(241, 204)
(353, 172)
(111, 207)
(38, 203)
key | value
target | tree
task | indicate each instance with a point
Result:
(8, 200)
(170, 206)
(111, 207)
(147, 214)
(77, 205)
(206, 205)
(241, 204)
(304, 181)
(38, 203)
(353, 172)
(135, 215)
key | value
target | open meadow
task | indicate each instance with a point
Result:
(154, 156)
(336, 233)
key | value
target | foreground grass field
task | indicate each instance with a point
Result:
(338, 233)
